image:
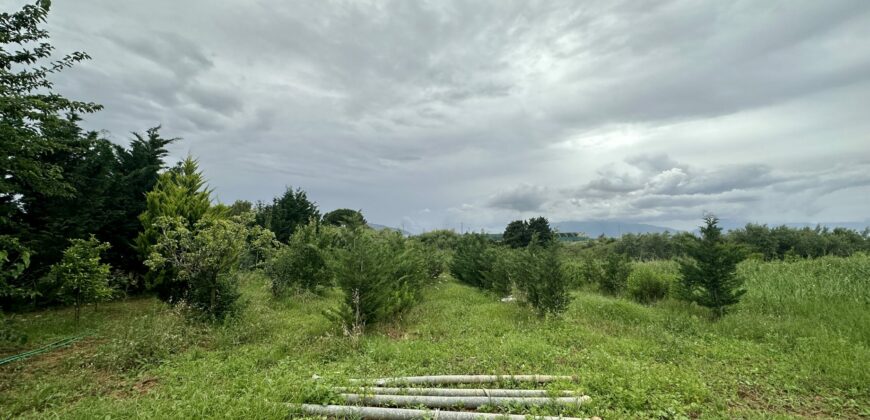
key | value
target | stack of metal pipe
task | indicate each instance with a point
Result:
(392, 398)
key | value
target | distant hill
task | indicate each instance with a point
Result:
(615, 229)
(376, 226)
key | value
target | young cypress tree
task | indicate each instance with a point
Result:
(180, 193)
(709, 274)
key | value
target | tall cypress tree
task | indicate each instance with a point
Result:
(137, 168)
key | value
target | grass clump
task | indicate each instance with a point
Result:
(650, 282)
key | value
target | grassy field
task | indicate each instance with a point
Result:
(798, 346)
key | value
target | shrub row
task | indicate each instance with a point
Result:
(534, 273)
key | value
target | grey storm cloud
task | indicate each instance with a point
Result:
(481, 111)
(521, 198)
(655, 192)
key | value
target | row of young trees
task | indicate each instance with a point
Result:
(706, 274)
(541, 272)
(760, 241)
(530, 270)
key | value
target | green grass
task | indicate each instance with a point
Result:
(798, 346)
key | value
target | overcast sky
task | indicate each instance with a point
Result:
(432, 114)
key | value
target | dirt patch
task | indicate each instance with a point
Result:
(145, 385)
(814, 407)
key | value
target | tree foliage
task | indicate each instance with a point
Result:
(516, 234)
(286, 213)
(519, 233)
(345, 218)
(35, 124)
(540, 278)
(203, 259)
(180, 195)
(137, 169)
(471, 260)
(709, 273)
(646, 284)
(380, 273)
(81, 276)
(300, 265)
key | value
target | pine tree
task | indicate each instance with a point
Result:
(709, 274)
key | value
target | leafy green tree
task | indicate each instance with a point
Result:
(541, 227)
(616, 269)
(441, 239)
(14, 259)
(203, 261)
(286, 213)
(709, 275)
(516, 234)
(180, 193)
(240, 207)
(519, 233)
(345, 218)
(49, 221)
(260, 242)
(35, 123)
(83, 278)
(499, 278)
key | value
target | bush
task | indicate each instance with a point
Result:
(575, 272)
(647, 283)
(204, 262)
(80, 275)
(380, 273)
(261, 246)
(471, 259)
(435, 260)
(540, 278)
(499, 277)
(299, 266)
(610, 273)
